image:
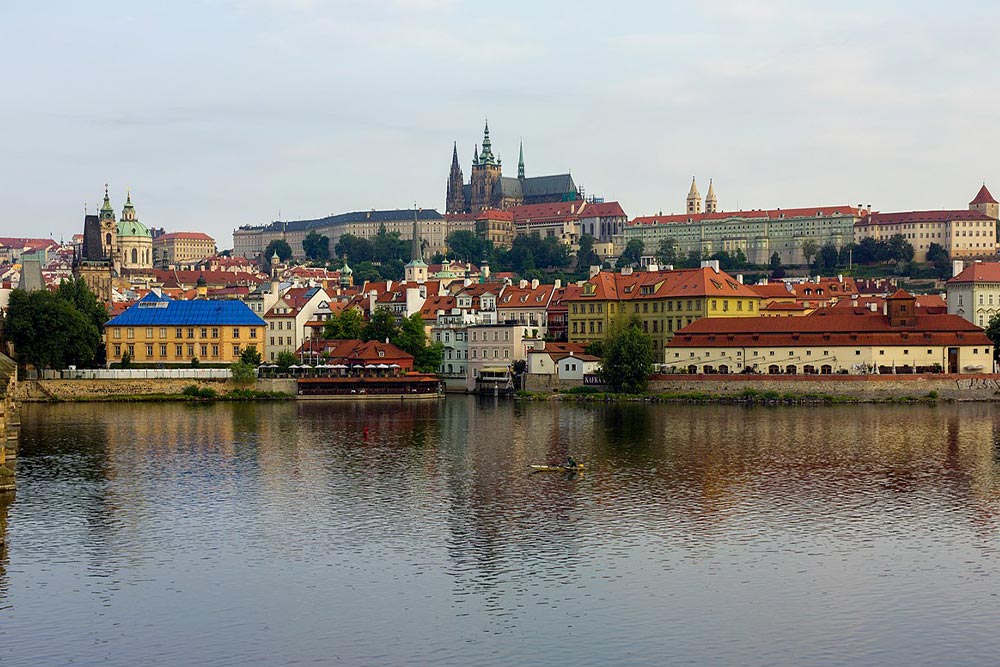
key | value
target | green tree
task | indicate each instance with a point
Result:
(693, 260)
(345, 325)
(628, 357)
(827, 258)
(411, 337)
(667, 252)
(993, 333)
(382, 326)
(285, 360)
(938, 256)
(809, 250)
(126, 361)
(586, 257)
(48, 331)
(632, 253)
(900, 250)
(777, 270)
(366, 271)
(316, 246)
(279, 246)
(243, 373)
(465, 245)
(354, 249)
(250, 356)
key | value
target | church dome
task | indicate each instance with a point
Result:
(132, 228)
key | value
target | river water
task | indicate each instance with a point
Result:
(367, 534)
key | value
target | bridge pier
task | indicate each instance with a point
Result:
(9, 427)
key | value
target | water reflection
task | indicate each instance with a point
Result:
(269, 533)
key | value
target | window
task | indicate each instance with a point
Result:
(118, 350)
(178, 333)
(149, 351)
(204, 332)
(163, 332)
(204, 350)
(236, 332)
(130, 332)
(163, 349)
(253, 333)
(178, 350)
(117, 333)
(215, 350)
(215, 332)
(149, 330)
(190, 335)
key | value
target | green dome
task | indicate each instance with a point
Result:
(132, 228)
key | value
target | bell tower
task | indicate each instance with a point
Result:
(693, 199)
(109, 229)
(711, 202)
(485, 175)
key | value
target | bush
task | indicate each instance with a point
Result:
(583, 389)
(194, 391)
(243, 373)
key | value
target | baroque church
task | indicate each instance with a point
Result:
(489, 188)
(112, 248)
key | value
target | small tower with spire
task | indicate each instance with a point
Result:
(985, 203)
(520, 161)
(693, 199)
(455, 202)
(109, 228)
(416, 270)
(711, 203)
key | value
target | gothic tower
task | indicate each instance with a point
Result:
(711, 203)
(520, 162)
(485, 175)
(693, 199)
(456, 199)
(109, 229)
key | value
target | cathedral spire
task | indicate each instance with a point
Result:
(455, 196)
(454, 157)
(487, 155)
(106, 211)
(520, 162)
(475, 155)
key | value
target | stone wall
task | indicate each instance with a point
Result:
(72, 390)
(8, 441)
(978, 387)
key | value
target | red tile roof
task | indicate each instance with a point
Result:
(187, 236)
(979, 272)
(983, 197)
(610, 209)
(702, 282)
(762, 214)
(551, 212)
(525, 297)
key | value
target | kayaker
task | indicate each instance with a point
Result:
(571, 462)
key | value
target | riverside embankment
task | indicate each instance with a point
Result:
(33, 391)
(860, 388)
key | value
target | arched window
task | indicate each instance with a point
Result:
(790, 369)
(135, 256)
(107, 242)
(773, 369)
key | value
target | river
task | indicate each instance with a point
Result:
(374, 534)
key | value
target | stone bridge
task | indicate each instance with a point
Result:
(8, 440)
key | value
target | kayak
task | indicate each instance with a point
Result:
(539, 468)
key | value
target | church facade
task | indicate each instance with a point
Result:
(488, 188)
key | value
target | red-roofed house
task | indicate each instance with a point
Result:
(286, 320)
(974, 293)
(834, 340)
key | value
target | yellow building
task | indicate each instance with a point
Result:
(665, 301)
(159, 330)
(175, 248)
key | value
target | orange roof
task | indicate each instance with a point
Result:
(187, 236)
(979, 272)
(550, 212)
(921, 216)
(435, 303)
(525, 297)
(761, 214)
(702, 282)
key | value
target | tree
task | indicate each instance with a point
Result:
(285, 360)
(632, 253)
(354, 248)
(316, 246)
(828, 257)
(993, 333)
(938, 256)
(412, 339)
(628, 357)
(777, 270)
(126, 361)
(48, 331)
(250, 356)
(467, 246)
(243, 373)
(667, 252)
(809, 250)
(388, 247)
(381, 326)
(366, 271)
(900, 249)
(586, 257)
(693, 260)
(345, 325)
(279, 246)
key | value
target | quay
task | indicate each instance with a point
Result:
(9, 425)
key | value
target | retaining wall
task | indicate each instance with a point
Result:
(71, 390)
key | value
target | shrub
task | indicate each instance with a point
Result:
(243, 372)
(583, 389)
(194, 391)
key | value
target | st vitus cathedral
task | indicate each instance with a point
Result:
(489, 188)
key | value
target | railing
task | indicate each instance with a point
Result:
(134, 374)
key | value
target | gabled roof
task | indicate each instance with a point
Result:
(683, 283)
(983, 197)
(556, 184)
(610, 209)
(525, 297)
(153, 310)
(979, 272)
(184, 236)
(550, 212)
(761, 215)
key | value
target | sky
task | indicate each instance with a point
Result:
(221, 113)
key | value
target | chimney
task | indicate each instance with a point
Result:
(652, 267)
(957, 266)
(534, 283)
(873, 307)
(485, 270)
(710, 264)
(626, 270)
(739, 278)
(523, 284)
(594, 270)
(556, 284)
(667, 267)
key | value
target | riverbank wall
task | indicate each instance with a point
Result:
(9, 426)
(875, 388)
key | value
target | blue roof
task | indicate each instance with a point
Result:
(153, 310)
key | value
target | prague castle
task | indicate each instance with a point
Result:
(488, 188)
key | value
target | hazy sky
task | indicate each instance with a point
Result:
(219, 113)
